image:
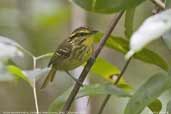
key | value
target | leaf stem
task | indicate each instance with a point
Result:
(35, 96)
(116, 82)
(44, 56)
(34, 87)
(90, 63)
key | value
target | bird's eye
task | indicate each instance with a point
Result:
(82, 34)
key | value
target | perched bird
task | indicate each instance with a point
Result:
(71, 53)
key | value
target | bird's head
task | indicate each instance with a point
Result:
(82, 35)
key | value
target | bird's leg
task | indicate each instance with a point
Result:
(75, 79)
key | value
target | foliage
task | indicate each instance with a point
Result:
(107, 6)
(88, 90)
(146, 55)
(132, 44)
(148, 92)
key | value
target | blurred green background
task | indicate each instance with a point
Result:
(40, 25)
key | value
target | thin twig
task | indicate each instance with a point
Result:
(159, 3)
(75, 79)
(90, 63)
(34, 87)
(116, 82)
(34, 80)
(44, 56)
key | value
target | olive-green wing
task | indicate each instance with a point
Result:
(62, 52)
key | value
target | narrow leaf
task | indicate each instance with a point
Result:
(17, 72)
(102, 89)
(107, 6)
(148, 93)
(145, 55)
(89, 90)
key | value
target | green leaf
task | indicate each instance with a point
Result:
(109, 72)
(104, 68)
(125, 86)
(145, 55)
(129, 22)
(27, 75)
(148, 93)
(168, 109)
(89, 90)
(102, 89)
(151, 57)
(155, 106)
(17, 72)
(107, 6)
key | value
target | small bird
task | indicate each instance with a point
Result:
(71, 53)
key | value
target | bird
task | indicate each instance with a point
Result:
(71, 53)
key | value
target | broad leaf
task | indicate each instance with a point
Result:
(145, 55)
(129, 22)
(168, 109)
(89, 90)
(107, 6)
(155, 106)
(105, 69)
(148, 93)
(152, 28)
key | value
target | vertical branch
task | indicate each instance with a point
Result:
(81, 104)
(90, 63)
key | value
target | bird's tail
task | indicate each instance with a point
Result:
(49, 77)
